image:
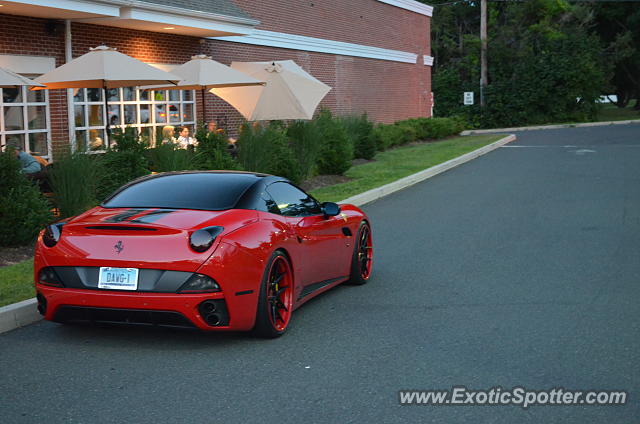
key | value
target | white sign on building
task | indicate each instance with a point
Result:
(468, 98)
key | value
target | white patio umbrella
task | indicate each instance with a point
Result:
(9, 79)
(104, 67)
(290, 92)
(203, 73)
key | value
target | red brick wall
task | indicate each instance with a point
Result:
(367, 22)
(29, 36)
(387, 91)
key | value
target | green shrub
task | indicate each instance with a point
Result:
(265, 148)
(336, 151)
(408, 132)
(10, 175)
(212, 151)
(74, 178)
(283, 161)
(168, 157)
(23, 209)
(123, 162)
(116, 168)
(127, 141)
(252, 151)
(387, 136)
(360, 132)
(305, 142)
(433, 128)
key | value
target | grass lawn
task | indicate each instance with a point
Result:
(611, 112)
(16, 282)
(400, 162)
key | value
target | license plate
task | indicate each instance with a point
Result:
(118, 278)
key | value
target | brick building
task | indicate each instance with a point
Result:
(375, 54)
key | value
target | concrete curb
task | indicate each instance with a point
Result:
(23, 313)
(550, 127)
(377, 193)
(18, 315)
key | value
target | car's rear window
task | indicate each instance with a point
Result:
(204, 191)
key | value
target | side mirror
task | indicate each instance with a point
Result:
(330, 209)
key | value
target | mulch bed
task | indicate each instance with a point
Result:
(361, 161)
(327, 180)
(13, 255)
(323, 181)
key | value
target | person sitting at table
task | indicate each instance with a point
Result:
(184, 140)
(167, 134)
(28, 164)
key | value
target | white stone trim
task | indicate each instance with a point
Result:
(312, 44)
(23, 64)
(183, 20)
(427, 60)
(412, 5)
(19, 314)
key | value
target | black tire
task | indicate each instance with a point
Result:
(264, 326)
(357, 277)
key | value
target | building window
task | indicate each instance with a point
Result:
(24, 120)
(152, 113)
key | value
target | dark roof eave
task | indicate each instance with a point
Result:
(160, 7)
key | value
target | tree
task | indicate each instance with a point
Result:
(545, 63)
(617, 25)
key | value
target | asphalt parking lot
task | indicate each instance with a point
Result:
(520, 268)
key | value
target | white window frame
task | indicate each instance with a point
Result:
(25, 104)
(137, 102)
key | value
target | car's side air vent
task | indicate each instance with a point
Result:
(119, 228)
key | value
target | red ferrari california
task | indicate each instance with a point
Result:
(215, 250)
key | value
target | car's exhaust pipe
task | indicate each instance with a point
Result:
(208, 307)
(214, 312)
(213, 319)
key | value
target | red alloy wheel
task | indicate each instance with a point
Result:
(365, 252)
(279, 294)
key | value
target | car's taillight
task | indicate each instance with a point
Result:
(199, 283)
(202, 239)
(49, 277)
(52, 234)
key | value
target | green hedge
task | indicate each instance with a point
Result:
(336, 150)
(360, 132)
(265, 148)
(305, 141)
(23, 209)
(415, 129)
(212, 151)
(75, 178)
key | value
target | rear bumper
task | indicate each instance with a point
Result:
(164, 309)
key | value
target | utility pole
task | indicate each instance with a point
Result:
(483, 50)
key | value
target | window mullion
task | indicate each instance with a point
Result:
(25, 120)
